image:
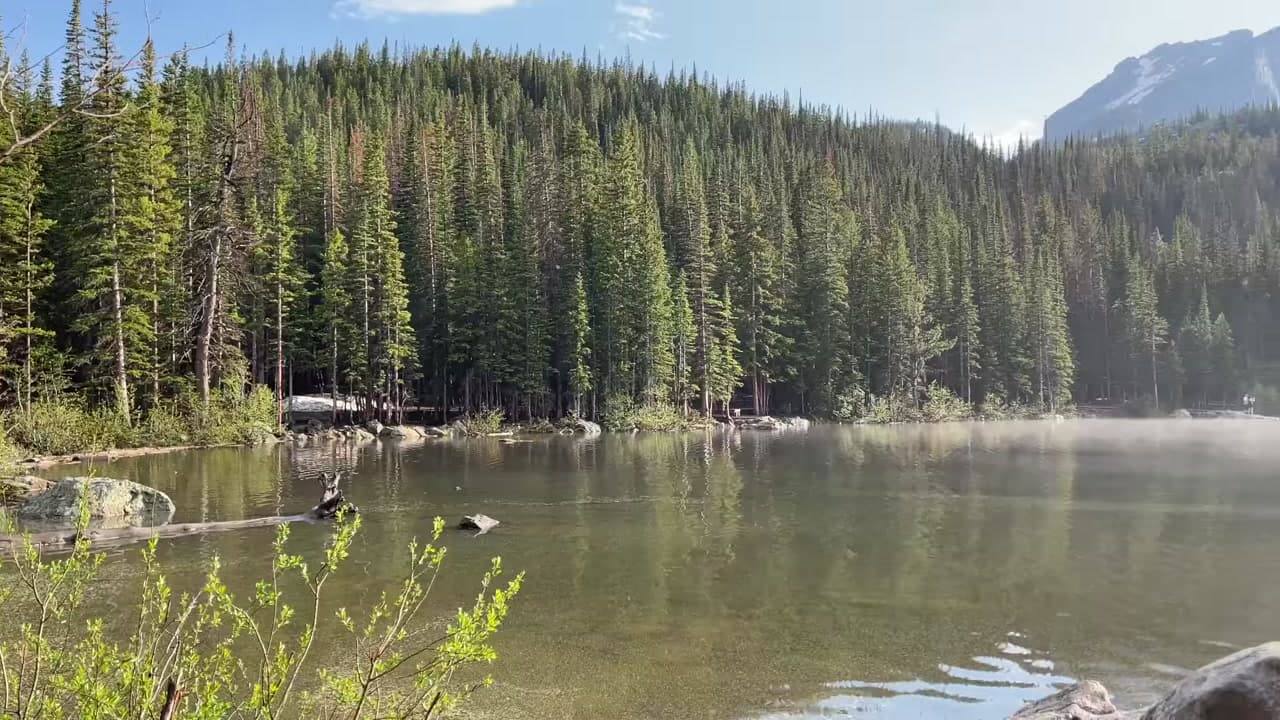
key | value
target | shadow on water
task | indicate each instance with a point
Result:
(868, 571)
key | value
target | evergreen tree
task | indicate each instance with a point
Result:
(1147, 329)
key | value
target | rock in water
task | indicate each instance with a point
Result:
(108, 500)
(1088, 700)
(22, 486)
(374, 427)
(1244, 686)
(480, 523)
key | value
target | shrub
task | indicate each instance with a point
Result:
(185, 654)
(164, 426)
(942, 405)
(65, 427)
(232, 417)
(623, 414)
(850, 405)
(483, 422)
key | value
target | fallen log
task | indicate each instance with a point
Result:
(331, 503)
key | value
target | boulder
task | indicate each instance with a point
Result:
(359, 435)
(259, 434)
(108, 500)
(438, 432)
(1243, 686)
(374, 427)
(480, 523)
(1088, 700)
(401, 432)
(22, 486)
(1181, 414)
(586, 427)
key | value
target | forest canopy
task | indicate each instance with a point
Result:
(543, 234)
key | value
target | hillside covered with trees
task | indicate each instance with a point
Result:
(546, 235)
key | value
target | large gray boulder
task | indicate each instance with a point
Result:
(401, 432)
(1088, 700)
(1244, 686)
(116, 500)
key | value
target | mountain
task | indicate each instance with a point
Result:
(1174, 81)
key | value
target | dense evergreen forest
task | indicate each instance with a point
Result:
(547, 235)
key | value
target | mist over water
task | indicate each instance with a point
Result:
(948, 571)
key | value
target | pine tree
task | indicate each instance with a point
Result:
(1047, 333)
(23, 267)
(335, 311)
(1195, 343)
(580, 380)
(153, 216)
(821, 293)
(757, 283)
(1146, 328)
(697, 257)
(726, 371)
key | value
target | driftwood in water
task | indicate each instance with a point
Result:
(480, 523)
(331, 503)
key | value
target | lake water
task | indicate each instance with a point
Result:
(949, 571)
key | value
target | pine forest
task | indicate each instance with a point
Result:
(548, 235)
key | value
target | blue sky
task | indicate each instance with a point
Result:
(994, 67)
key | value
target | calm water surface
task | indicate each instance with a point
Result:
(901, 572)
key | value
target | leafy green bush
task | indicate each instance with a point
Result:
(66, 427)
(207, 654)
(163, 426)
(942, 405)
(623, 414)
(850, 405)
(234, 418)
(483, 422)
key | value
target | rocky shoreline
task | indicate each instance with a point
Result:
(1243, 686)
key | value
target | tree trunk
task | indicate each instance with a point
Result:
(331, 503)
(279, 352)
(208, 319)
(121, 359)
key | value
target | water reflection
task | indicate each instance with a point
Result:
(870, 571)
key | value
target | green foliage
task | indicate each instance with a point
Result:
(234, 418)
(942, 405)
(623, 414)
(459, 226)
(484, 422)
(65, 427)
(850, 405)
(215, 655)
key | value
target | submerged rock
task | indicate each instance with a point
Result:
(108, 500)
(1088, 700)
(1243, 686)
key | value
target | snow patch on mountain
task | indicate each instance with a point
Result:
(1266, 78)
(1151, 72)
(1173, 81)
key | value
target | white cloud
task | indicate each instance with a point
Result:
(1006, 139)
(394, 8)
(635, 21)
